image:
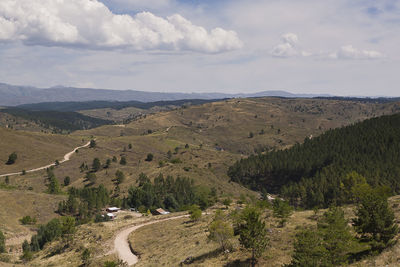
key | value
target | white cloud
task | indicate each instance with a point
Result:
(349, 52)
(289, 47)
(90, 24)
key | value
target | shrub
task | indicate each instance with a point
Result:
(149, 157)
(27, 220)
(195, 213)
(67, 181)
(12, 158)
(176, 161)
(122, 161)
(92, 143)
(2, 242)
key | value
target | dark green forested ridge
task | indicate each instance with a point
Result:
(60, 121)
(312, 174)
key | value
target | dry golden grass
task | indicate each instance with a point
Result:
(228, 123)
(171, 242)
(16, 204)
(33, 149)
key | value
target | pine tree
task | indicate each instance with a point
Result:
(336, 235)
(375, 219)
(53, 186)
(120, 176)
(308, 249)
(282, 210)
(253, 233)
(12, 158)
(96, 165)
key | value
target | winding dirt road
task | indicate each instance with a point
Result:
(121, 243)
(66, 158)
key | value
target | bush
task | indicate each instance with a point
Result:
(86, 257)
(2, 242)
(27, 220)
(120, 177)
(195, 213)
(122, 161)
(149, 157)
(176, 161)
(91, 177)
(12, 158)
(67, 181)
(227, 202)
(92, 144)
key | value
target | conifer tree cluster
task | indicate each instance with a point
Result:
(169, 193)
(85, 203)
(313, 173)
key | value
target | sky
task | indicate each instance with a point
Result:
(339, 47)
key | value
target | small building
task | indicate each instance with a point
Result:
(111, 216)
(113, 209)
(160, 211)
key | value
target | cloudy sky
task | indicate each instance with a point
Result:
(341, 47)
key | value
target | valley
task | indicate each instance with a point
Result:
(199, 142)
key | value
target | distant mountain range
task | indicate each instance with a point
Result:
(12, 95)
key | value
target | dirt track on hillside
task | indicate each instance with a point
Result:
(66, 158)
(121, 243)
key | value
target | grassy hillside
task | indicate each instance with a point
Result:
(33, 149)
(199, 142)
(171, 242)
(207, 130)
(17, 204)
(249, 125)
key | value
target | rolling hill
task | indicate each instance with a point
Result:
(17, 95)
